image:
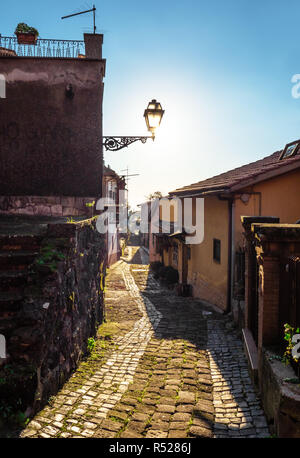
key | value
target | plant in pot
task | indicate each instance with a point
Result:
(25, 34)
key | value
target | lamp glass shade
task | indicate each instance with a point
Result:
(153, 115)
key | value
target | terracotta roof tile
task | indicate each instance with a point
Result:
(225, 181)
(7, 52)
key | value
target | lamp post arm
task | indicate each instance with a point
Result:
(117, 143)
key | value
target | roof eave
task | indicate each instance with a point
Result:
(283, 169)
(213, 192)
(290, 167)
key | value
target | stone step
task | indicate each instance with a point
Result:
(13, 275)
(16, 260)
(19, 242)
(10, 301)
(6, 296)
(7, 322)
(14, 279)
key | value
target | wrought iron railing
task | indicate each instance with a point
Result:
(63, 49)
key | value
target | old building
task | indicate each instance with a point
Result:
(248, 263)
(112, 185)
(51, 126)
(149, 229)
(272, 301)
(215, 267)
(52, 259)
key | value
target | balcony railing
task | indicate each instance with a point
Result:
(64, 49)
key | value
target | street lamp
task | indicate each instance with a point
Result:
(153, 116)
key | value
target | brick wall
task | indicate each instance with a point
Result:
(268, 313)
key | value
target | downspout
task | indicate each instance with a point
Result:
(230, 201)
(231, 253)
(230, 256)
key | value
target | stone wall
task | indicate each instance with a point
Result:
(281, 399)
(52, 281)
(269, 246)
(47, 205)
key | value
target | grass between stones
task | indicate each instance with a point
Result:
(164, 359)
(147, 367)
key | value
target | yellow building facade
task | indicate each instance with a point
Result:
(269, 187)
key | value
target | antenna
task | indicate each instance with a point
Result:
(83, 12)
(126, 179)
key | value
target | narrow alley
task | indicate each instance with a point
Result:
(163, 366)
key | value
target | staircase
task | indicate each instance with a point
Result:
(19, 246)
(16, 256)
(50, 304)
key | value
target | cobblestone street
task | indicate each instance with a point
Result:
(163, 366)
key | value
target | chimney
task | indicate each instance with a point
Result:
(93, 45)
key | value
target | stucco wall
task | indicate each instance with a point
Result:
(279, 197)
(173, 257)
(208, 277)
(50, 143)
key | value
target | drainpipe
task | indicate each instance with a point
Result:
(230, 256)
(230, 201)
(231, 251)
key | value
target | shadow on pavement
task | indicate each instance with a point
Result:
(186, 319)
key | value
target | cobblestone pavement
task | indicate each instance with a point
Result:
(163, 367)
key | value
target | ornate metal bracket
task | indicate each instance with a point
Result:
(117, 143)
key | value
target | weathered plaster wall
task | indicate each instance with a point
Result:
(207, 276)
(279, 197)
(47, 205)
(50, 143)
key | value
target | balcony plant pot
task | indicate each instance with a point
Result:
(26, 38)
(25, 34)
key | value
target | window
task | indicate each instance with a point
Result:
(217, 250)
(290, 150)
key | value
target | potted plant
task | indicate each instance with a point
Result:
(25, 34)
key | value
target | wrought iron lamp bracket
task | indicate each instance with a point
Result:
(117, 143)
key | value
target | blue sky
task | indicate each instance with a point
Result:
(221, 69)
